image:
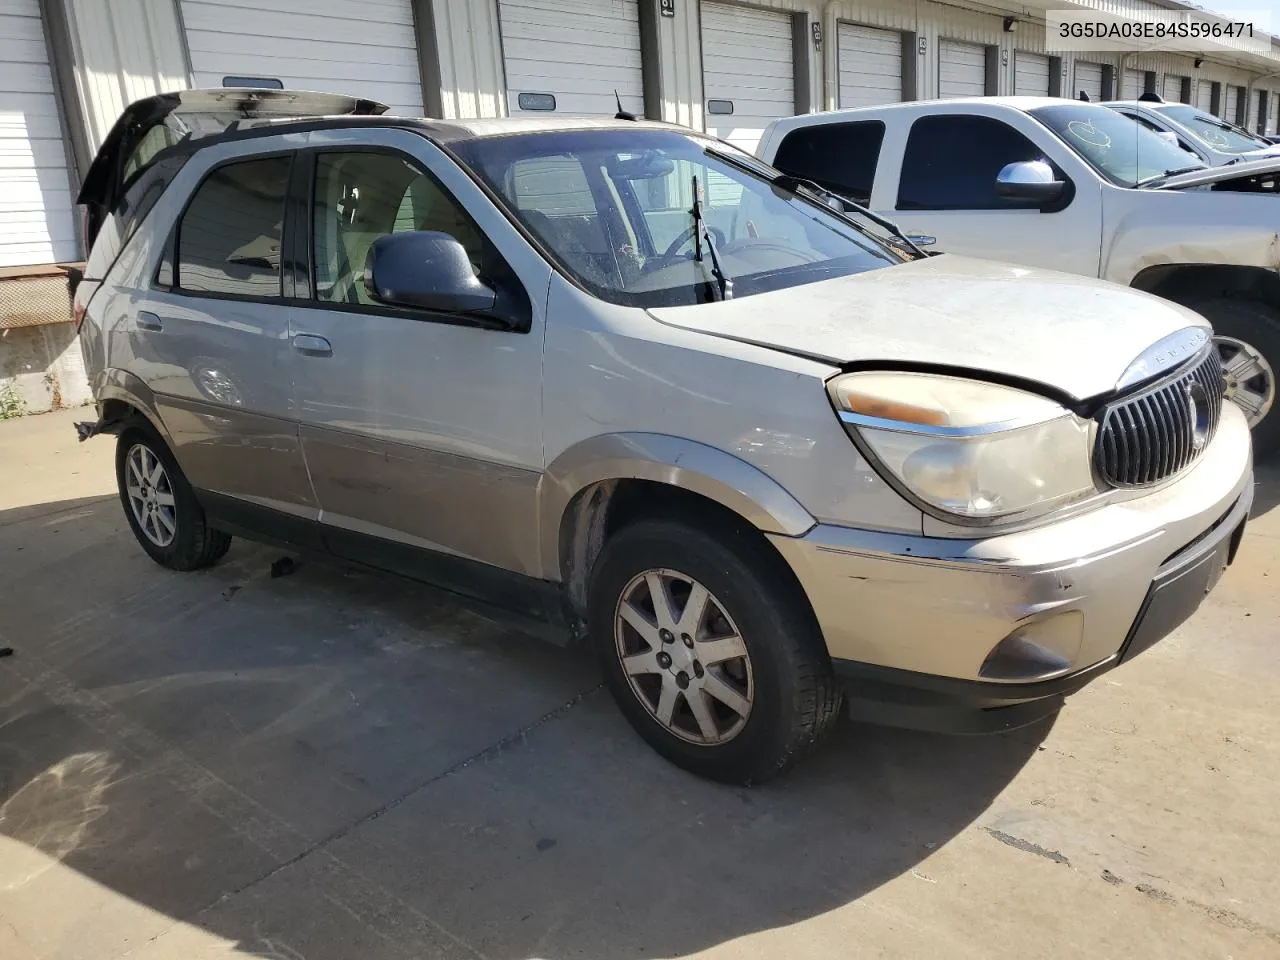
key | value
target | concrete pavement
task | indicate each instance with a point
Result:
(334, 765)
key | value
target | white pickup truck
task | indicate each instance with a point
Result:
(1076, 187)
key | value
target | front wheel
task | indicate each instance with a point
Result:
(1247, 334)
(710, 650)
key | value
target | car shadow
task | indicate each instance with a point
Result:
(1266, 491)
(334, 764)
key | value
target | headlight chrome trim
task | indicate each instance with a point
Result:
(957, 433)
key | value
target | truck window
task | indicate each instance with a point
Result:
(840, 156)
(952, 160)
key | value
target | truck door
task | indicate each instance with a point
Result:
(947, 189)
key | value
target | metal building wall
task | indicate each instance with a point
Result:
(123, 50)
(469, 52)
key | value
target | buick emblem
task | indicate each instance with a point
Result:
(1198, 407)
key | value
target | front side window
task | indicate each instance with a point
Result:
(1118, 147)
(361, 196)
(614, 209)
(839, 156)
(229, 236)
(1215, 133)
(952, 162)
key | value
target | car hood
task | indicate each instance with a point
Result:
(1222, 174)
(1075, 335)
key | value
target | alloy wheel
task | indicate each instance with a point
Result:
(684, 657)
(1250, 381)
(150, 495)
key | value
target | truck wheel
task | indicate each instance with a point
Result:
(161, 507)
(710, 649)
(1248, 337)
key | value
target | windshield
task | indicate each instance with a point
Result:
(615, 209)
(1118, 147)
(1215, 133)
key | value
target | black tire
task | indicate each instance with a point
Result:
(195, 544)
(796, 698)
(1258, 325)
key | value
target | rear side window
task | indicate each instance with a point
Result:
(951, 163)
(229, 237)
(120, 225)
(839, 156)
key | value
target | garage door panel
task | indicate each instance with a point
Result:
(36, 221)
(747, 60)
(17, 122)
(289, 29)
(1204, 95)
(962, 69)
(1088, 79)
(1172, 88)
(20, 188)
(580, 52)
(530, 58)
(324, 51)
(870, 65)
(373, 13)
(369, 50)
(1031, 74)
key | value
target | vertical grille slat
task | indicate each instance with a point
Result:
(1152, 435)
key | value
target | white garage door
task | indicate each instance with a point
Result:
(1131, 85)
(1030, 74)
(870, 66)
(366, 49)
(747, 69)
(1272, 110)
(36, 222)
(1204, 95)
(962, 69)
(575, 51)
(1233, 98)
(1088, 79)
(1172, 91)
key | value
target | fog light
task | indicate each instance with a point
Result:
(1037, 651)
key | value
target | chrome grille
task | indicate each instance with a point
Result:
(1151, 435)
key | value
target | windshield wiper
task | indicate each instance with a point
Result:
(789, 182)
(700, 235)
(1158, 177)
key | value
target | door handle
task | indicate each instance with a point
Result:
(310, 345)
(148, 321)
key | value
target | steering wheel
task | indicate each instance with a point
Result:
(687, 235)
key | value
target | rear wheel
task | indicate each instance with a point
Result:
(1247, 334)
(161, 507)
(710, 649)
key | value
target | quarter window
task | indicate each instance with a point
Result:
(362, 196)
(229, 237)
(840, 156)
(952, 161)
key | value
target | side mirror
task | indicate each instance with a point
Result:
(426, 270)
(1031, 180)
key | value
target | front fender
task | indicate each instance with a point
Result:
(692, 466)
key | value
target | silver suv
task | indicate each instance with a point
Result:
(645, 391)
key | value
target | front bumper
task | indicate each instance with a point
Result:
(911, 621)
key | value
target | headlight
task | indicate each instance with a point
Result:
(973, 449)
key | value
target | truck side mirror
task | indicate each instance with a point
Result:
(1029, 180)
